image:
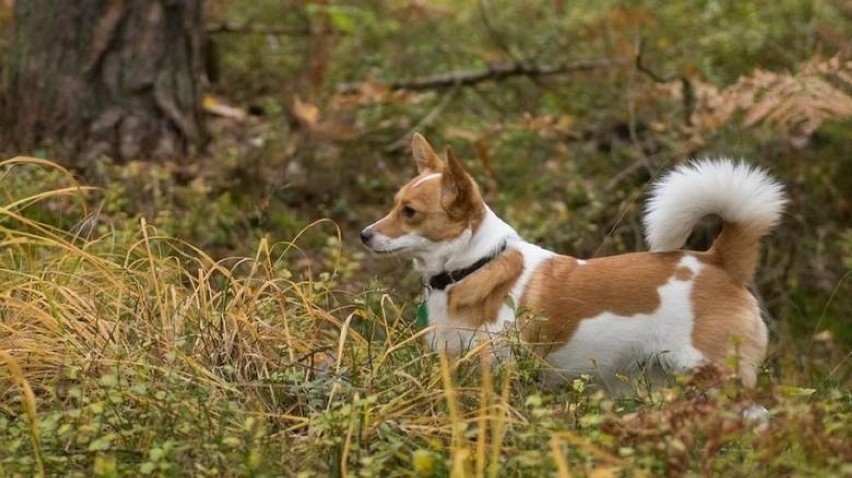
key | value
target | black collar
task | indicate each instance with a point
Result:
(442, 280)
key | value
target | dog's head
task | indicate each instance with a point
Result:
(433, 213)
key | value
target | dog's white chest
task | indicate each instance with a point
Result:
(454, 336)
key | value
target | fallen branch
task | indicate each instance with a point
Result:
(249, 29)
(494, 72)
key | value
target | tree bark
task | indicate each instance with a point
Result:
(120, 78)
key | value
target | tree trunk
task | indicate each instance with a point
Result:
(119, 78)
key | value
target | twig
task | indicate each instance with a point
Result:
(427, 120)
(496, 37)
(494, 72)
(643, 160)
(688, 90)
(249, 29)
(688, 105)
(631, 169)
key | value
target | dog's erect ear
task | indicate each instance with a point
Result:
(425, 156)
(458, 192)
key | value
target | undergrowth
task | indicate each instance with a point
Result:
(125, 351)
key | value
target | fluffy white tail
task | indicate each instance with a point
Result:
(748, 200)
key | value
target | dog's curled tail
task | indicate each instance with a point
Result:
(748, 200)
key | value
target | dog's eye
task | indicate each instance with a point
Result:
(408, 212)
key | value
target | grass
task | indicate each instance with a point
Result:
(127, 352)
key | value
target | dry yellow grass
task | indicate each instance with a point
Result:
(133, 352)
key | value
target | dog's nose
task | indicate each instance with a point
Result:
(366, 235)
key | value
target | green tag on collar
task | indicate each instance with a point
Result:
(421, 320)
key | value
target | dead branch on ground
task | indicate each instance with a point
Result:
(494, 72)
(249, 29)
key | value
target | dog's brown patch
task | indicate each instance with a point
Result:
(477, 299)
(737, 250)
(683, 273)
(727, 327)
(562, 293)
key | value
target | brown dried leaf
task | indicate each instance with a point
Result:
(306, 113)
(216, 106)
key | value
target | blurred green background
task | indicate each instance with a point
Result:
(566, 157)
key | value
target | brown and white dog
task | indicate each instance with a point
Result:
(679, 310)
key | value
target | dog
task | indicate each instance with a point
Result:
(679, 310)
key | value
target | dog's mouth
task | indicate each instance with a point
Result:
(392, 246)
(388, 252)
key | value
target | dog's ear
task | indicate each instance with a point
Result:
(458, 191)
(425, 156)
